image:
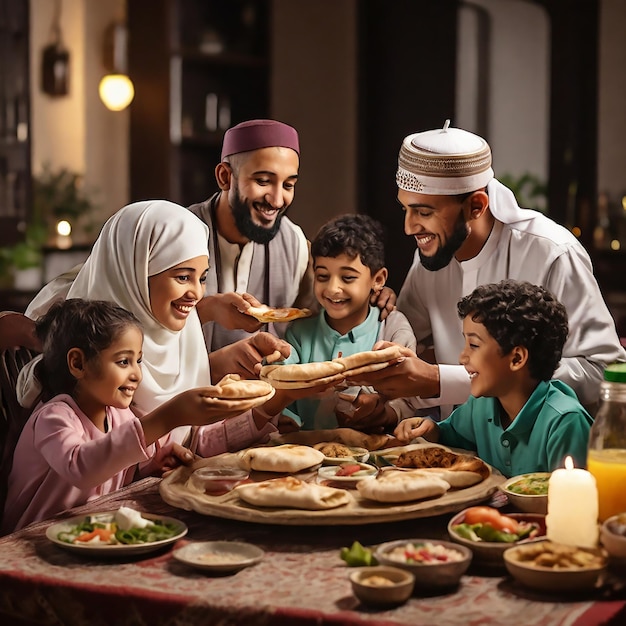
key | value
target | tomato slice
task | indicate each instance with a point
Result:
(491, 516)
(348, 470)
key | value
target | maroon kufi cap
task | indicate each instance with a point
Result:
(256, 134)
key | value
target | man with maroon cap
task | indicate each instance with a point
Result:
(257, 254)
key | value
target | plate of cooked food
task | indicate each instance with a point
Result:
(336, 453)
(285, 486)
(116, 533)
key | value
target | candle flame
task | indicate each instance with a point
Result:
(569, 463)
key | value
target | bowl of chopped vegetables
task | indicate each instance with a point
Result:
(488, 533)
(382, 586)
(435, 564)
(528, 492)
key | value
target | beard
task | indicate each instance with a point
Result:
(444, 255)
(242, 214)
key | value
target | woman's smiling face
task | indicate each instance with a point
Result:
(175, 292)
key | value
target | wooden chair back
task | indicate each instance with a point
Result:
(18, 346)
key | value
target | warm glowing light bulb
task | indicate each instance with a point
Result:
(615, 244)
(64, 228)
(116, 91)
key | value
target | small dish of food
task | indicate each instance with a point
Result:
(216, 481)
(219, 556)
(382, 586)
(337, 453)
(435, 564)
(549, 566)
(111, 534)
(346, 475)
(528, 492)
(488, 533)
(613, 537)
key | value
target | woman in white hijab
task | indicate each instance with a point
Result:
(142, 240)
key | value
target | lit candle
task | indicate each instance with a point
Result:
(572, 516)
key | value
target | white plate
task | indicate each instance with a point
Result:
(219, 556)
(329, 474)
(120, 549)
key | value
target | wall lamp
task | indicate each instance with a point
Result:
(116, 89)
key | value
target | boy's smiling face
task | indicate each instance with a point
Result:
(343, 287)
(488, 368)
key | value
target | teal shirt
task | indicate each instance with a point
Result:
(551, 425)
(312, 340)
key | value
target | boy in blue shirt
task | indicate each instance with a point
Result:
(349, 266)
(517, 419)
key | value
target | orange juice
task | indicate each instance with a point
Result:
(609, 469)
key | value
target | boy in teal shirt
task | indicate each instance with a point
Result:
(348, 261)
(517, 419)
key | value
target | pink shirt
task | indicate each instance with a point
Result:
(62, 460)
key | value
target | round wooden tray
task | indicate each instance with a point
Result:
(175, 492)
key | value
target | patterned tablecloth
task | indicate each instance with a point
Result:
(300, 580)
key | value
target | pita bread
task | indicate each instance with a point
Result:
(456, 479)
(402, 486)
(287, 458)
(370, 357)
(301, 372)
(266, 313)
(457, 469)
(303, 375)
(232, 387)
(292, 493)
(347, 436)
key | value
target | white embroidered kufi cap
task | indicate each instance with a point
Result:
(444, 162)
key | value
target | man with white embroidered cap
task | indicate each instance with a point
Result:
(469, 231)
(258, 255)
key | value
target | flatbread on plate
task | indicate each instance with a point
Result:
(286, 458)
(232, 387)
(292, 493)
(266, 313)
(347, 436)
(402, 486)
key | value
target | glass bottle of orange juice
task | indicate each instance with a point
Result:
(606, 456)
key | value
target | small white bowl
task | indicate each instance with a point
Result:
(396, 588)
(360, 455)
(529, 503)
(328, 475)
(431, 575)
(219, 556)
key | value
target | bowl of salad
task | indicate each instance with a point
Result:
(488, 533)
(435, 564)
(528, 492)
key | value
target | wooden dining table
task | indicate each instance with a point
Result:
(300, 580)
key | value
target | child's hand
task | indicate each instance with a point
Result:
(168, 458)
(369, 413)
(413, 427)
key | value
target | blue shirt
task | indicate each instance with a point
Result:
(551, 425)
(313, 340)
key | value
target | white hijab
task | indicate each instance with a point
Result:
(141, 240)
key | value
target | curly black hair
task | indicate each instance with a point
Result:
(91, 325)
(353, 234)
(518, 313)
